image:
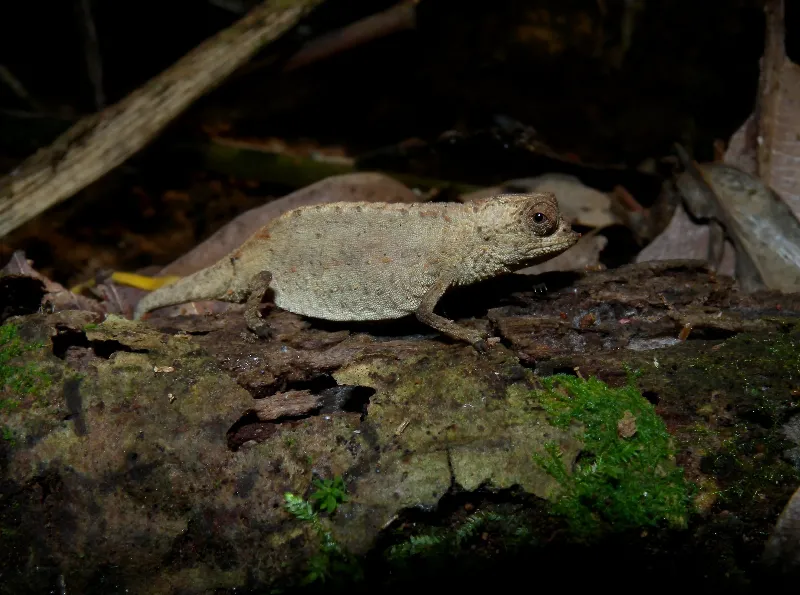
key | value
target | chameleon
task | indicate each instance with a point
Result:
(358, 261)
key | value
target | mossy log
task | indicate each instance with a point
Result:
(157, 457)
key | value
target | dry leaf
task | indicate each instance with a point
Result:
(768, 143)
(58, 296)
(685, 239)
(782, 550)
(626, 427)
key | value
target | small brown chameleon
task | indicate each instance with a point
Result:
(378, 261)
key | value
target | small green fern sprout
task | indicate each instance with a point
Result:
(300, 508)
(329, 493)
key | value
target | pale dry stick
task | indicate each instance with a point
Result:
(91, 50)
(100, 142)
(400, 17)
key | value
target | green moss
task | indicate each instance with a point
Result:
(444, 544)
(749, 467)
(438, 541)
(7, 434)
(331, 562)
(742, 388)
(90, 326)
(18, 379)
(757, 369)
(618, 483)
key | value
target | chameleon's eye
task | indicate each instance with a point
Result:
(544, 219)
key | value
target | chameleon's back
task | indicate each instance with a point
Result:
(347, 262)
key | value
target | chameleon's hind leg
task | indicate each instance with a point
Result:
(252, 314)
(425, 314)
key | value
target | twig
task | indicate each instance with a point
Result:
(627, 199)
(100, 142)
(234, 6)
(91, 50)
(17, 87)
(400, 17)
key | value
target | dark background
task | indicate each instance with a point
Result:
(689, 74)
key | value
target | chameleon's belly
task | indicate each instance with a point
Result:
(355, 293)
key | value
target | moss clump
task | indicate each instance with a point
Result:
(18, 379)
(766, 368)
(445, 544)
(331, 561)
(625, 477)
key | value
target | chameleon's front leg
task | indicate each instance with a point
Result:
(252, 315)
(426, 315)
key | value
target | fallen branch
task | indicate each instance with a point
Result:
(100, 142)
(400, 17)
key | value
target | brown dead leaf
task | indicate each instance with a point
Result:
(782, 550)
(685, 239)
(741, 151)
(58, 296)
(768, 143)
(626, 427)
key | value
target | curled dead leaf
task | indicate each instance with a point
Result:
(626, 427)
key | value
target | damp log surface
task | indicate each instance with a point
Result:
(154, 457)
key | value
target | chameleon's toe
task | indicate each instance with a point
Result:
(263, 331)
(485, 343)
(257, 325)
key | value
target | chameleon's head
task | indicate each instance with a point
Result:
(529, 227)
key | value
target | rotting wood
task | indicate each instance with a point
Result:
(102, 141)
(288, 404)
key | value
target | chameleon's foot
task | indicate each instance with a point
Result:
(252, 314)
(485, 343)
(257, 324)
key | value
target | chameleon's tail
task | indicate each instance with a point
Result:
(212, 283)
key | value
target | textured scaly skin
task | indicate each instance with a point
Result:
(378, 261)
